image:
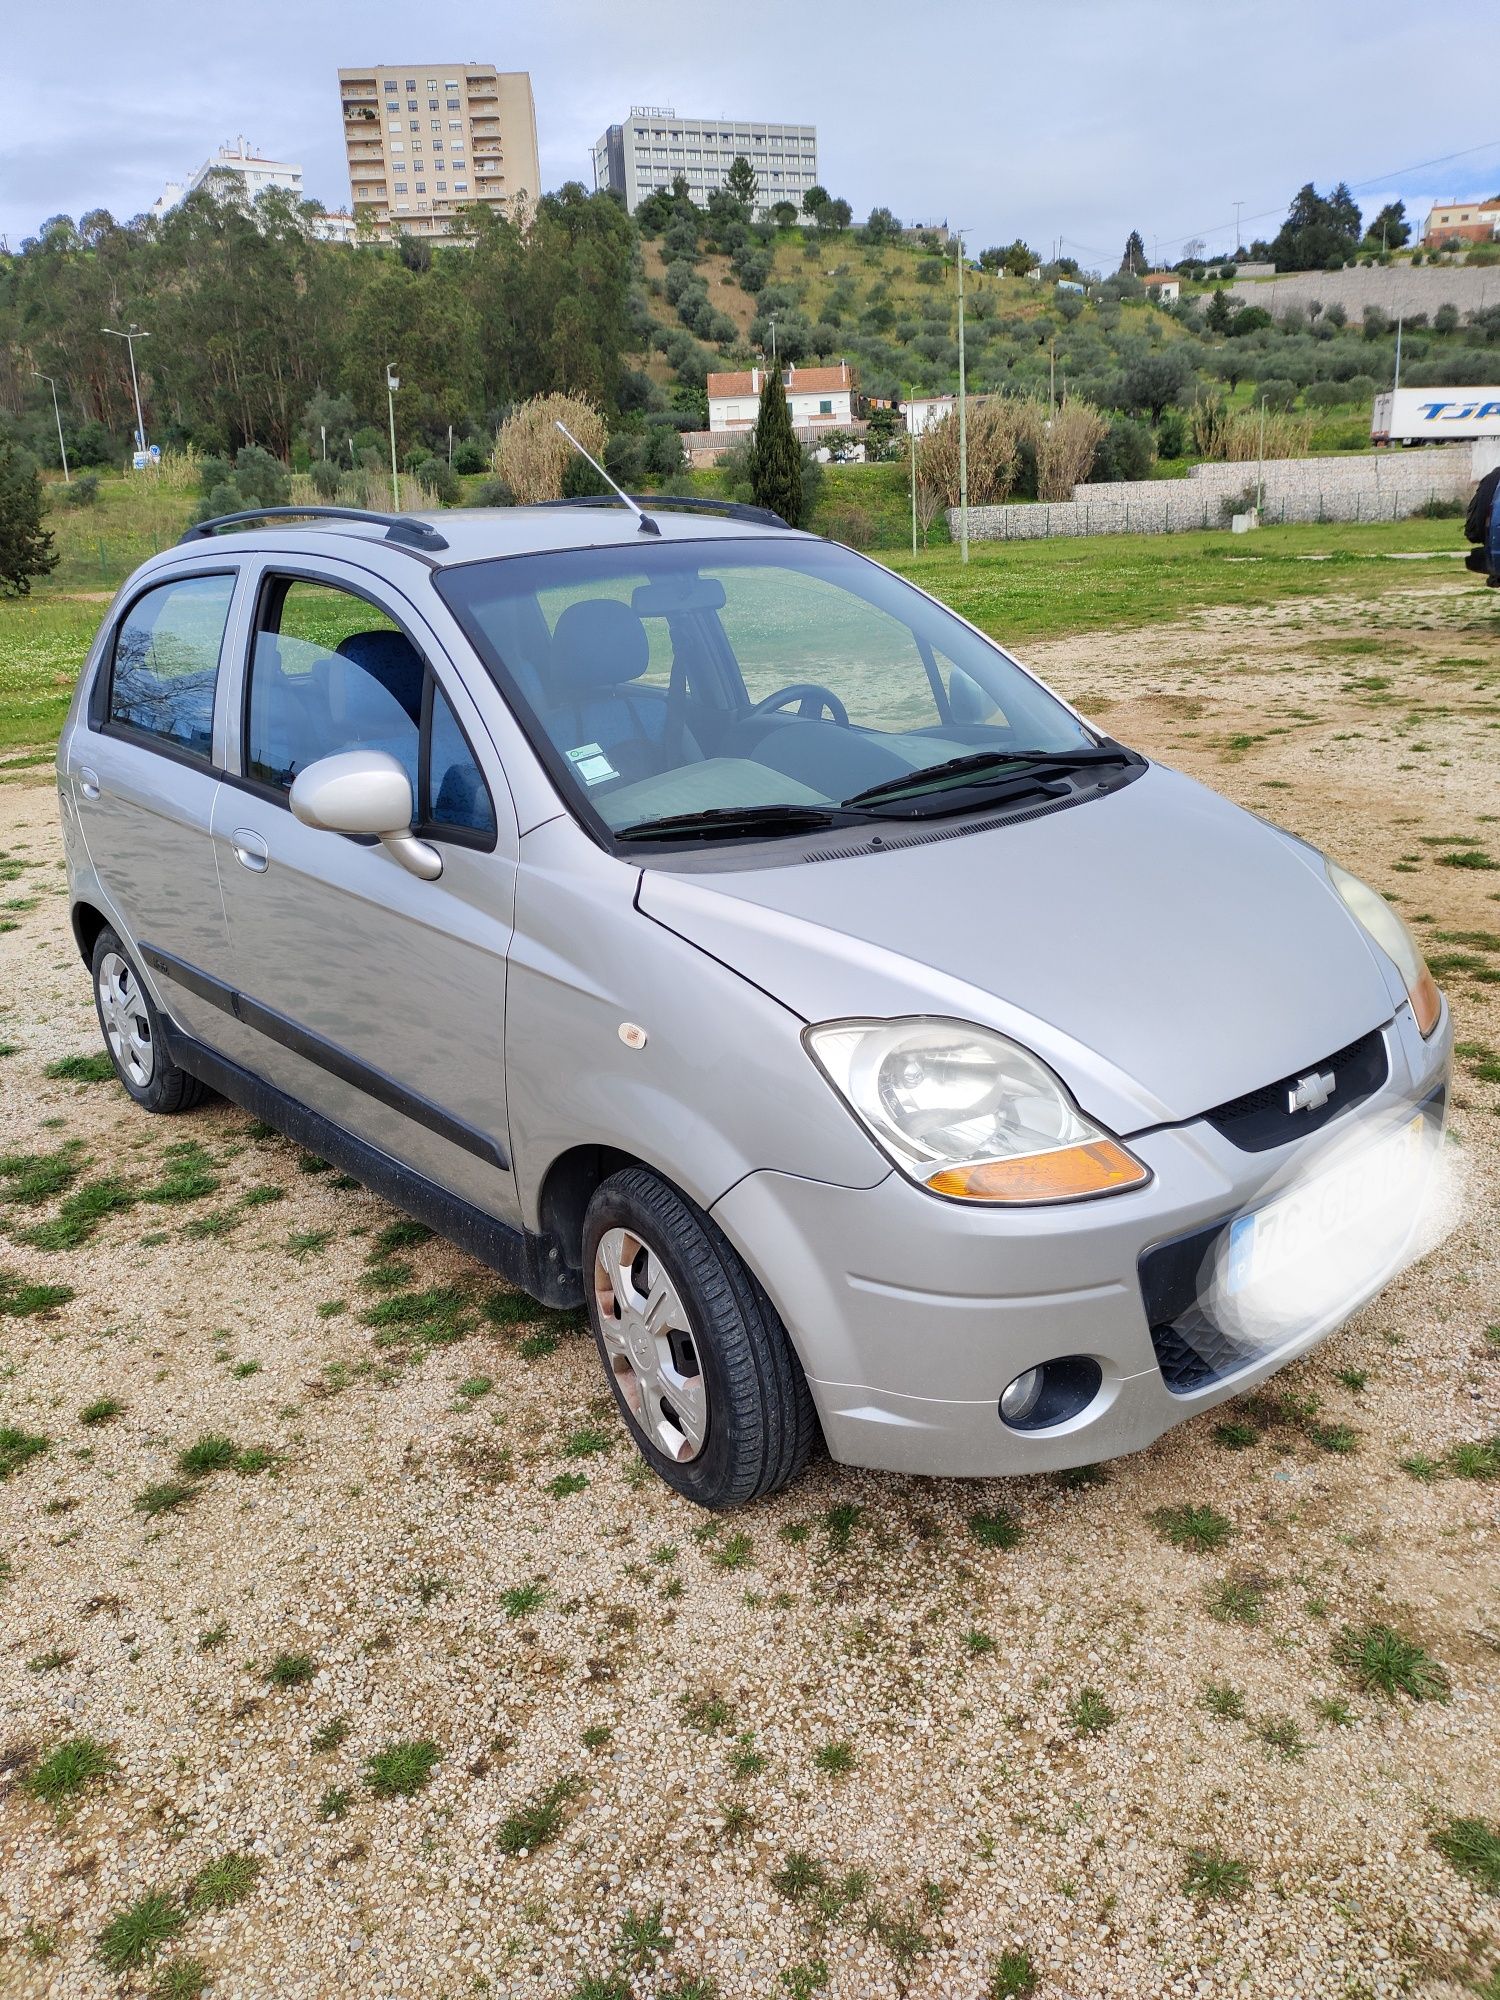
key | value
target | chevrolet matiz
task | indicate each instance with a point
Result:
(698, 923)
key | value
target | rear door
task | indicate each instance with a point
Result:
(143, 776)
(378, 998)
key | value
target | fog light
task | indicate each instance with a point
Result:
(1050, 1393)
(1019, 1400)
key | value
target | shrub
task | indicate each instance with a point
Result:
(531, 455)
(1126, 451)
(437, 477)
(26, 549)
(83, 491)
(853, 525)
(1276, 393)
(324, 474)
(492, 493)
(469, 455)
(1067, 449)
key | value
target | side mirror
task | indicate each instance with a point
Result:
(365, 792)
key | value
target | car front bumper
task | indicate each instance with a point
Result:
(911, 1314)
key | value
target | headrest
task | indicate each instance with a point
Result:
(394, 662)
(596, 643)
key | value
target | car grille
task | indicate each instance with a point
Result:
(1190, 1350)
(1260, 1119)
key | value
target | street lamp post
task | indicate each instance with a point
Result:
(392, 384)
(57, 416)
(963, 419)
(130, 340)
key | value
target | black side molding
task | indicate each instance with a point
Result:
(534, 1263)
(327, 1055)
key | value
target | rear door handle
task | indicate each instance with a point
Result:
(250, 850)
(88, 782)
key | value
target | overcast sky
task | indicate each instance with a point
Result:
(1070, 120)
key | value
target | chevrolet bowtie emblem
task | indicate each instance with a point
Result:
(1310, 1093)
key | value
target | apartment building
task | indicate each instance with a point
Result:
(1474, 221)
(654, 145)
(234, 166)
(425, 140)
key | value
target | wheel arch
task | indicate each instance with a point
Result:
(87, 920)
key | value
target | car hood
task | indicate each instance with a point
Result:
(1164, 950)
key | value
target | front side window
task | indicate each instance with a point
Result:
(760, 675)
(331, 672)
(166, 661)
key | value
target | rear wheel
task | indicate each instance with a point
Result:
(699, 1363)
(132, 1032)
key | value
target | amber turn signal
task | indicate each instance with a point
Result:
(1426, 1002)
(1068, 1174)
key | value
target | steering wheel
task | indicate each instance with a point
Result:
(811, 700)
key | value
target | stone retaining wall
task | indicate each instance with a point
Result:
(1385, 486)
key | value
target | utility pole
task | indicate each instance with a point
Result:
(130, 340)
(910, 417)
(773, 340)
(1052, 376)
(67, 477)
(1237, 207)
(392, 384)
(963, 418)
(1260, 479)
(1396, 384)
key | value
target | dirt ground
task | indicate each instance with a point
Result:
(853, 1741)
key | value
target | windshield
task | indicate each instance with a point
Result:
(758, 685)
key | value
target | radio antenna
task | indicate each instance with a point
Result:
(648, 526)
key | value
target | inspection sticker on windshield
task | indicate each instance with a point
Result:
(591, 764)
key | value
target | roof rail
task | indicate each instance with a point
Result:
(734, 510)
(400, 528)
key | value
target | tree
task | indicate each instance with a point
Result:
(25, 544)
(1389, 228)
(531, 454)
(1218, 315)
(834, 215)
(1134, 259)
(1152, 381)
(775, 458)
(1020, 261)
(740, 182)
(881, 226)
(783, 213)
(815, 198)
(1318, 232)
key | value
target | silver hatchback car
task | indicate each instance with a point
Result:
(695, 921)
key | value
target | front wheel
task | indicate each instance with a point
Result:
(132, 1032)
(699, 1363)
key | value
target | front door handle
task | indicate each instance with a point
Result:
(250, 850)
(88, 782)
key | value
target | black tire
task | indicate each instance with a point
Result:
(168, 1088)
(762, 1425)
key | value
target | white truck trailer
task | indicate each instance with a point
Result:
(1435, 416)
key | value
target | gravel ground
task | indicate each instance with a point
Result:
(865, 1739)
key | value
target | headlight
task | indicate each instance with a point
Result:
(1375, 916)
(968, 1114)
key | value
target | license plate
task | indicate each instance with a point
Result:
(1324, 1207)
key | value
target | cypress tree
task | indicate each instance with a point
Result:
(775, 455)
(25, 544)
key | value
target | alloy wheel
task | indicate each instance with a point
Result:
(649, 1341)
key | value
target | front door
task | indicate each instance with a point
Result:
(378, 998)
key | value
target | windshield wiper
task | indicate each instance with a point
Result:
(1008, 765)
(725, 822)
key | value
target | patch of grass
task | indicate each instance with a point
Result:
(733, 1552)
(18, 1448)
(167, 1496)
(839, 1524)
(223, 1883)
(1283, 1735)
(1236, 1435)
(212, 1637)
(587, 1442)
(49, 1662)
(213, 1452)
(1000, 1530)
(1013, 1976)
(708, 1712)
(1200, 1528)
(1328, 1708)
(78, 1762)
(523, 1598)
(304, 1243)
(333, 1733)
(978, 1643)
(540, 1819)
(799, 1875)
(33, 1178)
(20, 1300)
(644, 1938)
(596, 1736)
(835, 1760)
(1089, 1713)
(188, 1174)
(179, 1979)
(1353, 1379)
(80, 1069)
(335, 1803)
(1224, 1701)
(1236, 1600)
(1417, 1465)
(1472, 857)
(137, 1934)
(474, 1388)
(1472, 1846)
(1341, 1439)
(1477, 1460)
(1213, 1876)
(82, 1213)
(434, 1318)
(745, 1761)
(401, 1769)
(290, 1670)
(535, 1345)
(102, 1411)
(1383, 1661)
